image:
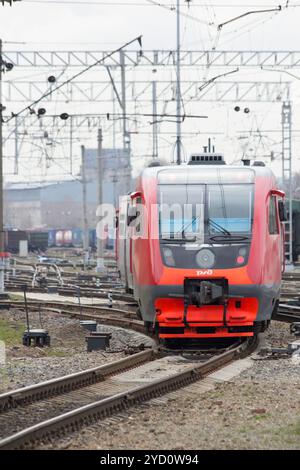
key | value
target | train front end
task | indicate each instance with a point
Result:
(211, 266)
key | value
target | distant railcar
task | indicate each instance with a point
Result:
(51, 238)
(37, 240)
(93, 239)
(77, 238)
(13, 238)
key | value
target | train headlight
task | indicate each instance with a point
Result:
(241, 256)
(168, 257)
(205, 258)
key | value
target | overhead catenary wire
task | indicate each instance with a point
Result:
(89, 67)
(247, 13)
(84, 2)
(143, 4)
(174, 10)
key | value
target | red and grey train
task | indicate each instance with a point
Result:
(202, 248)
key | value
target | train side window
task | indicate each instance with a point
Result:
(273, 224)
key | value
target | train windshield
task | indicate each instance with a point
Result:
(192, 212)
(230, 209)
(181, 211)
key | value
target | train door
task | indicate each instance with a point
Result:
(124, 244)
(276, 238)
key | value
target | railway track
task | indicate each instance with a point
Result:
(74, 285)
(69, 283)
(49, 410)
(106, 316)
(288, 313)
(73, 291)
(82, 399)
(291, 276)
(127, 318)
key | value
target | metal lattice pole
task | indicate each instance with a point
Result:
(2, 235)
(178, 88)
(287, 174)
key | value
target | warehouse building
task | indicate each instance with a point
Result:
(59, 205)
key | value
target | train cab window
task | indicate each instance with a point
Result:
(181, 214)
(139, 226)
(230, 209)
(273, 224)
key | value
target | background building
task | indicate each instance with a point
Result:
(59, 204)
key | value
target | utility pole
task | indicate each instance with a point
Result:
(16, 167)
(126, 134)
(124, 108)
(287, 175)
(100, 259)
(178, 89)
(71, 145)
(2, 235)
(154, 100)
(3, 255)
(84, 207)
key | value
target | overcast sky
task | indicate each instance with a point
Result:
(41, 22)
(102, 25)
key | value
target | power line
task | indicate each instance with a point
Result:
(89, 67)
(143, 4)
(221, 25)
(173, 9)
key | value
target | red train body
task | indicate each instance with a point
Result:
(216, 274)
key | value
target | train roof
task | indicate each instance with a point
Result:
(206, 173)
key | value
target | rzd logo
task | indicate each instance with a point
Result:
(206, 272)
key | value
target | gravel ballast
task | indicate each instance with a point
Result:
(260, 409)
(67, 354)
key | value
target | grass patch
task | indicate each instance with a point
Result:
(244, 430)
(10, 333)
(290, 434)
(3, 374)
(292, 430)
(16, 297)
(260, 417)
(55, 353)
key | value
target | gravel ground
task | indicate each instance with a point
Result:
(25, 366)
(260, 409)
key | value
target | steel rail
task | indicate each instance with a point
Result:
(287, 313)
(65, 305)
(89, 414)
(54, 387)
(125, 318)
(125, 322)
(106, 316)
(68, 291)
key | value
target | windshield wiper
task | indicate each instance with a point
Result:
(219, 227)
(231, 238)
(184, 239)
(186, 226)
